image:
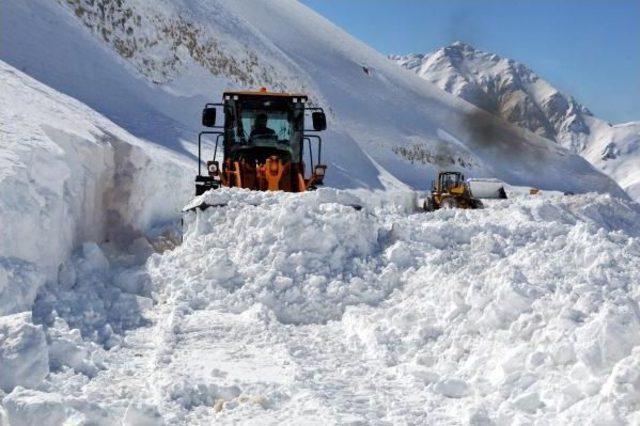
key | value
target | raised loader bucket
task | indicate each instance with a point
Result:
(487, 188)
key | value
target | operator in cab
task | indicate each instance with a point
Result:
(260, 128)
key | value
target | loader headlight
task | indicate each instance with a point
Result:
(213, 168)
(319, 170)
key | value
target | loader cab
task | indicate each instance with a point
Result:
(449, 181)
(258, 126)
(263, 140)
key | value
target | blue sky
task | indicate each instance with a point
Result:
(589, 49)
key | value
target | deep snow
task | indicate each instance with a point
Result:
(282, 308)
(69, 175)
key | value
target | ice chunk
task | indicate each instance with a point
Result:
(19, 283)
(66, 348)
(28, 407)
(452, 388)
(24, 359)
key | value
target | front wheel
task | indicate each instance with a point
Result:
(476, 204)
(428, 205)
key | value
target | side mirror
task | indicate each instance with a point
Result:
(209, 117)
(319, 121)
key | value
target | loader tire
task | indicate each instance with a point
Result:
(476, 204)
(428, 205)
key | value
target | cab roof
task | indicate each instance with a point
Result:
(263, 92)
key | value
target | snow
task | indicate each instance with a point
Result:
(69, 176)
(486, 188)
(387, 123)
(314, 261)
(329, 307)
(284, 308)
(23, 352)
(616, 151)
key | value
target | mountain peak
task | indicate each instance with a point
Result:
(461, 45)
(504, 87)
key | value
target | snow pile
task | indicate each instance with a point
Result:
(98, 300)
(523, 311)
(305, 256)
(528, 312)
(100, 295)
(282, 307)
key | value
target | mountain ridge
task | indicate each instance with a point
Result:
(505, 87)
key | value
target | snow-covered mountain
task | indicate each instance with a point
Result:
(514, 92)
(151, 67)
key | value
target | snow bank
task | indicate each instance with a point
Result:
(68, 176)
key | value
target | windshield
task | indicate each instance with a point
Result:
(260, 124)
(450, 180)
(264, 125)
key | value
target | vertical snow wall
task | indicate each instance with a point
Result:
(68, 175)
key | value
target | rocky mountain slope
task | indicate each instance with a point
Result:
(515, 93)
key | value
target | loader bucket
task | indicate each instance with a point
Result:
(487, 188)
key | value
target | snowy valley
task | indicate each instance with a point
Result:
(292, 308)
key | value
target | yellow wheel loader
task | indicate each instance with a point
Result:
(451, 191)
